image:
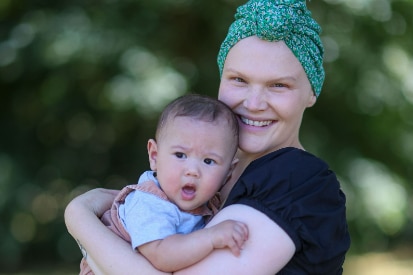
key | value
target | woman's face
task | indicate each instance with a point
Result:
(266, 86)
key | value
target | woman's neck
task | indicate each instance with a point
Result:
(243, 161)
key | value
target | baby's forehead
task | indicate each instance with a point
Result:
(219, 125)
(217, 121)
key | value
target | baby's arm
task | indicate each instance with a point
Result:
(182, 250)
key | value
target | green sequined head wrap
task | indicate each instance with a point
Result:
(276, 20)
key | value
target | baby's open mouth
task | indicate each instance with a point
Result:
(188, 189)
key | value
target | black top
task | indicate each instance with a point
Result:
(297, 191)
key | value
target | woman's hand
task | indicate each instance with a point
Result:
(96, 200)
(106, 252)
(89, 205)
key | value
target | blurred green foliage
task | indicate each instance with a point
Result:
(82, 84)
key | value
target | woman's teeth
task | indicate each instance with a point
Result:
(256, 123)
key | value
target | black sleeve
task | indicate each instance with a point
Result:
(298, 192)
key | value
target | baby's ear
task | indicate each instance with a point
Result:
(234, 163)
(152, 153)
(231, 168)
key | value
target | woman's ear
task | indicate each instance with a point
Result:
(152, 153)
(312, 99)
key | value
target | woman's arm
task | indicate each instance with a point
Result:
(182, 250)
(106, 252)
(267, 250)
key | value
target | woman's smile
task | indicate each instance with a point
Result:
(256, 123)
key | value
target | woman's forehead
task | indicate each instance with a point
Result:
(252, 54)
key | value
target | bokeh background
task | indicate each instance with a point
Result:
(82, 84)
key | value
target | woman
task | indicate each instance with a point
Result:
(271, 71)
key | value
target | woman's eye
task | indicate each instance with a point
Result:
(209, 161)
(239, 79)
(180, 155)
(279, 85)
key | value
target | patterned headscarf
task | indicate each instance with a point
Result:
(276, 20)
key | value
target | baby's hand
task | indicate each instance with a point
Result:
(231, 234)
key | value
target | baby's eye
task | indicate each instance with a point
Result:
(209, 161)
(180, 155)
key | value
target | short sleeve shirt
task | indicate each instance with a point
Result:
(147, 217)
(302, 195)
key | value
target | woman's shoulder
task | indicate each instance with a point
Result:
(298, 191)
(288, 155)
(288, 162)
(285, 174)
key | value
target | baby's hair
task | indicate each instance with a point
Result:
(199, 107)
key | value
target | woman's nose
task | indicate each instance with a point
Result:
(255, 99)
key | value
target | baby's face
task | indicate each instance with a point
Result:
(193, 159)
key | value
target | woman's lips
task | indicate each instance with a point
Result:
(256, 123)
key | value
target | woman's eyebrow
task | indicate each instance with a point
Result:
(283, 79)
